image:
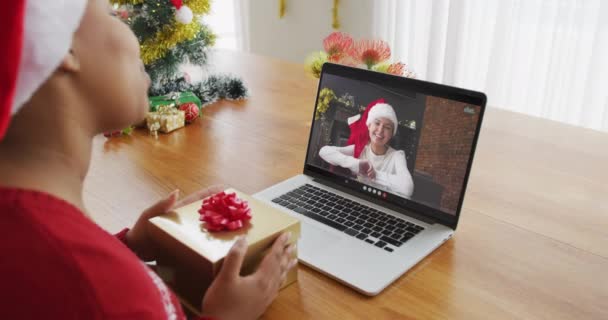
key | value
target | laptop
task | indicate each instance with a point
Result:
(384, 176)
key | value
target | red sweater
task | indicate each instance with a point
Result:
(55, 263)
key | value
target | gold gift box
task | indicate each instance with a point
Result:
(190, 257)
(166, 119)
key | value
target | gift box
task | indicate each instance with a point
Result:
(166, 119)
(190, 256)
(175, 99)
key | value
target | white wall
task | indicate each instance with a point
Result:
(303, 27)
(222, 20)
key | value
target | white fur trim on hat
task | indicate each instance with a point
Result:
(352, 119)
(383, 110)
(48, 31)
(184, 15)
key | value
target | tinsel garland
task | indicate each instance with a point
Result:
(166, 44)
(210, 90)
(197, 6)
(165, 40)
(200, 7)
(157, 47)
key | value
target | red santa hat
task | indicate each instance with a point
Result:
(383, 110)
(37, 34)
(359, 133)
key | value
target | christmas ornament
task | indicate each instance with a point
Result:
(335, 22)
(281, 8)
(187, 77)
(112, 134)
(174, 98)
(183, 14)
(166, 119)
(171, 33)
(191, 111)
(334, 15)
(124, 132)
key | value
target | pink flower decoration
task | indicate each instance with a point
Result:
(347, 61)
(396, 68)
(371, 52)
(409, 73)
(337, 45)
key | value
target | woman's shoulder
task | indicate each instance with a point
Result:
(391, 152)
(83, 264)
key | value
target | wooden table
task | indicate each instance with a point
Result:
(532, 242)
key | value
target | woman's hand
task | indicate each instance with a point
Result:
(233, 297)
(366, 169)
(138, 238)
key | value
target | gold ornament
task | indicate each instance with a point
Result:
(334, 11)
(281, 8)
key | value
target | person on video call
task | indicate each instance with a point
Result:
(368, 154)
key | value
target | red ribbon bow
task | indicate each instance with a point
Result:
(224, 211)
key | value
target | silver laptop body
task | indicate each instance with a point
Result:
(362, 231)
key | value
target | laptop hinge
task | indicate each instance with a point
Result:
(389, 206)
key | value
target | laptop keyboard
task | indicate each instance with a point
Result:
(357, 220)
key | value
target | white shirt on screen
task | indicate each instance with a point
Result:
(391, 167)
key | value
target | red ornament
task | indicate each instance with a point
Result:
(224, 211)
(187, 77)
(177, 3)
(191, 110)
(123, 14)
(112, 134)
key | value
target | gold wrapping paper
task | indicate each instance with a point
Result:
(190, 256)
(166, 119)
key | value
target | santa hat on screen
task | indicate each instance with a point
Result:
(359, 135)
(37, 34)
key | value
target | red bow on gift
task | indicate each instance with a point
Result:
(224, 211)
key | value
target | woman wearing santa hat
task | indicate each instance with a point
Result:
(69, 71)
(368, 153)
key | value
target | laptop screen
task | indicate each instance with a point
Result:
(399, 141)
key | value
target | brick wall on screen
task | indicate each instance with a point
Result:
(445, 145)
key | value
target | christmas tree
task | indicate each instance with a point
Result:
(171, 33)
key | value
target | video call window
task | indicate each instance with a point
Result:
(408, 144)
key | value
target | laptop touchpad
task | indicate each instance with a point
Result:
(315, 240)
